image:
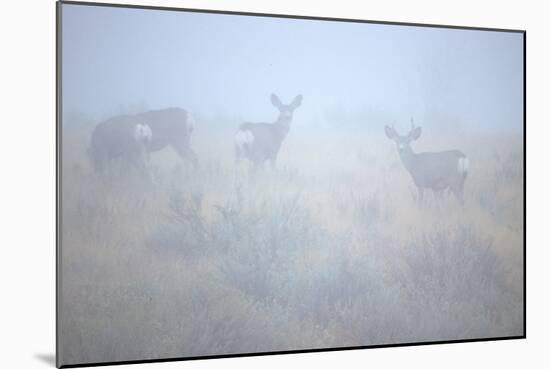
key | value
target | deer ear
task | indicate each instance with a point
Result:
(297, 101)
(415, 133)
(390, 132)
(276, 101)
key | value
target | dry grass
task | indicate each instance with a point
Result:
(329, 250)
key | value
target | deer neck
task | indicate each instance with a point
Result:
(408, 158)
(282, 126)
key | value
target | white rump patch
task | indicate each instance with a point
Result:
(463, 165)
(143, 133)
(243, 138)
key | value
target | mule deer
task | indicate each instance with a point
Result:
(127, 137)
(259, 142)
(437, 171)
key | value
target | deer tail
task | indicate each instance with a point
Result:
(243, 138)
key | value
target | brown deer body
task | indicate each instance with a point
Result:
(260, 142)
(126, 137)
(437, 171)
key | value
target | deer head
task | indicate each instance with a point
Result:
(285, 110)
(404, 142)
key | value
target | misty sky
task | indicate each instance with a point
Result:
(216, 64)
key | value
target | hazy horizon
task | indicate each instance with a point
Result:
(228, 65)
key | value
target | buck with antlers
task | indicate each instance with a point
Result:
(259, 142)
(437, 171)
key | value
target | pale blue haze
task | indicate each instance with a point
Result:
(228, 65)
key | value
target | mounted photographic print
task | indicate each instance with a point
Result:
(238, 184)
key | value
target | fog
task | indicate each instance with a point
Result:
(324, 228)
(228, 65)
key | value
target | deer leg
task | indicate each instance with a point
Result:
(439, 197)
(238, 155)
(143, 167)
(133, 165)
(420, 195)
(192, 157)
(98, 160)
(148, 166)
(254, 167)
(236, 166)
(459, 193)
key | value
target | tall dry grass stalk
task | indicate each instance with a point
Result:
(331, 249)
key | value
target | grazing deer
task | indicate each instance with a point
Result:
(259, 142)
(128, 137)
(437, 171)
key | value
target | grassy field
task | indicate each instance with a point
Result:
(331, 249)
